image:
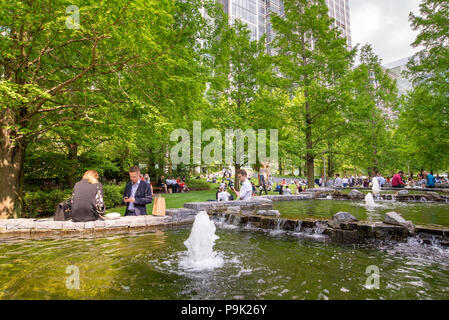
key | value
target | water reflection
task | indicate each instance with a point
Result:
(256, 266)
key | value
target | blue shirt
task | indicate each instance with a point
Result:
(133, 193)
(430, 180)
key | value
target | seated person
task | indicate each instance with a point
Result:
(397, 182)
(366, 183)
(87, 198)
(430, 179)
(287, 191)
(223, 195)
(161, 184)
(171, 183)
(422, 182)
(184, 186)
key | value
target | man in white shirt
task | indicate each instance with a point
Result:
(246, 191)
(338, 181)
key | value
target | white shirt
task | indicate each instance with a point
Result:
(338, 182)
(246, 191)
(223, 196)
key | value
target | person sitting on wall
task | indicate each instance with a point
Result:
(137, 194)
(397, 181)
(223, 195)
(430, 179)
(88, 198)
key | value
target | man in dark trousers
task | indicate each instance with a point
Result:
(137, 194)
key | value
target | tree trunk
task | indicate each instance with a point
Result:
(309, 145)
(11, 175)
(236, 179)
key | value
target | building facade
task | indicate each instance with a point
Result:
(395, 70)
(256, 14)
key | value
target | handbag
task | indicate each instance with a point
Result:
(159, 206)
(63, 211)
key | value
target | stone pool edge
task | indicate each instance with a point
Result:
(245, 211)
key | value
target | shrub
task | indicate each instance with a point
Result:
(113, 195)
(43, 203)
(198, 185)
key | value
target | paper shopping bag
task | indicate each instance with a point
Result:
(159, 206)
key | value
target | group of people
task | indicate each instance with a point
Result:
(175, 185)
(247, 189)
(425, 180)
(284, 187)
(87, 201)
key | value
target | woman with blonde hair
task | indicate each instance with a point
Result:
(88, 198)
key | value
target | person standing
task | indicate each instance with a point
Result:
(263, 179)
(87, 198)
(338, 183)
(137, 194)
(246, 190)
(345, 182)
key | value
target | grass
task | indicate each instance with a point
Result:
(175, 200)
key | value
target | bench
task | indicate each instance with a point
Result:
(155, 188)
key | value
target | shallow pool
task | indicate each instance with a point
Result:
(419, 213)
(256, 266)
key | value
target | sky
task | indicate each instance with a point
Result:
(384, 24)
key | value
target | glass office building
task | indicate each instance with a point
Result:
(256, 14)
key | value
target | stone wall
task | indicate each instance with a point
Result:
(346, 232)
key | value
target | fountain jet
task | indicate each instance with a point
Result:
(369, 200)
(200, 245)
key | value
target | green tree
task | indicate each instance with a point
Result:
(123, 61)
(424, 116)
(244, 100)
(313, 59)
(371, 112)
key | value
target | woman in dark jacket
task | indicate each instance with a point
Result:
(87, 198)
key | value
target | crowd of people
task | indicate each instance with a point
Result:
(398, 180)
(171, 184)
(87, 201)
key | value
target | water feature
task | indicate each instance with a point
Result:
(418, 212)
(255, 266)
(376, 186)
(200, 245)
(369, 200)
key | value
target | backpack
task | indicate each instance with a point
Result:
(64, 211)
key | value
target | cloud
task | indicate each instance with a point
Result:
(384, 24)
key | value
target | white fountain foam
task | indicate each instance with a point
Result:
(369, 200)
(200, 245)
(376, 186)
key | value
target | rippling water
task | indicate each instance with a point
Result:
(419, 213)
(256, 266)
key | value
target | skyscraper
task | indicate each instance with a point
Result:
(256, 14)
